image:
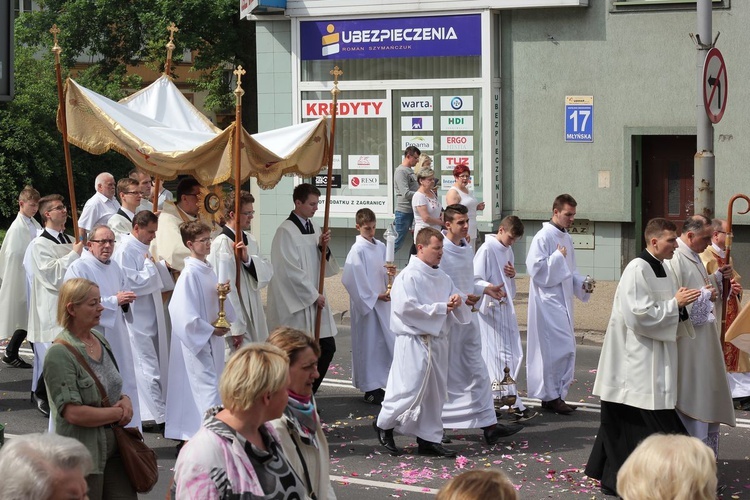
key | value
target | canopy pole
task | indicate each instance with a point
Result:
(157, 189)
(237, 151)
(64, 129)
(336, 72)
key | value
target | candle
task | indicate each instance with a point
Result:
(390, 244)
(224, 266)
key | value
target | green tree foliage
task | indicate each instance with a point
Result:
(109, 36)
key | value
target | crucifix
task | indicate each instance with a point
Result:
(170, 46)
(56, 48)
(238, 73)
(336, 72)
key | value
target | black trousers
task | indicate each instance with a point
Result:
(327, 350)
(15, 344)
(622, 428)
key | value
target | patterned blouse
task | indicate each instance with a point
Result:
(218, 463)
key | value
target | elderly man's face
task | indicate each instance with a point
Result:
(101, 244)
(107, 188)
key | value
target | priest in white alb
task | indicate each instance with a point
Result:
(168, 245)
(469, 404)
(365, 277)
(146, 323)
(425, 307)
(96, 265)
(637, 375)
(293, 297)
(46, 260)
(554, 283)
(13, 299)
(255, 273)
(704, 401)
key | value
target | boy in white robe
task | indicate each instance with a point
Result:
(146, 324)
(293, 297)
(255, 273)
(551, 342)
(425, 306)
(498, 325)
(365, 277)
(196, 358)
(46, 260)
(96, 265)
(13, 300)
(121, 222)
(469, 403)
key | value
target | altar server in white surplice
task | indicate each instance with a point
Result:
(425, 306)
(146, 323)
(14, 302)
(554, 283)
(96, 265)
(46, 260)
(293, 297)
(498, 325)
(196, 358)
(365, 277)
(121, 223)
(469, 404)
(255, 273)
(100, 207)
(703, 397)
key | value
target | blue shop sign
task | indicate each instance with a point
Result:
(392, 37)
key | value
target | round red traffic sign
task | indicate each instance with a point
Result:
(714, 85)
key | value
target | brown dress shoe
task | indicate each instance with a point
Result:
(560, 407)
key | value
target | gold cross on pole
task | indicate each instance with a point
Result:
(336, 72)
(170, 47)
(238, 73)
(56, 48)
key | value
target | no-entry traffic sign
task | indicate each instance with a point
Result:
(714, 85)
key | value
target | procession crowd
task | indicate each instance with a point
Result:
(153, 319)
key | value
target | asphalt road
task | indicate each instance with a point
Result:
(545, 460)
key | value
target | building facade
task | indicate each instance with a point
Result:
(593, 98)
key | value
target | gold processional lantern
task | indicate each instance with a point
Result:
(507, 386)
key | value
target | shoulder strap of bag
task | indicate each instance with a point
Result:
(82, 361)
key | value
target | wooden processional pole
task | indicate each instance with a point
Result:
(236, 153)
(336, 72)
(64, 128)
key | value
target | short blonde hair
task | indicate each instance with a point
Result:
(251, 372)
(73, 292)
(673, 467)
(292, 342)
(478, 485)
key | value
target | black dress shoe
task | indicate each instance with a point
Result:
(41, 405)
(385, 437)
(493, 435)
(445, 439)
(375, 397)
(434, 449)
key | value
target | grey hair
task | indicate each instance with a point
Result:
(100, 179)
(97, 228)
(425, 173)
(695, 223)
(30, 462)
